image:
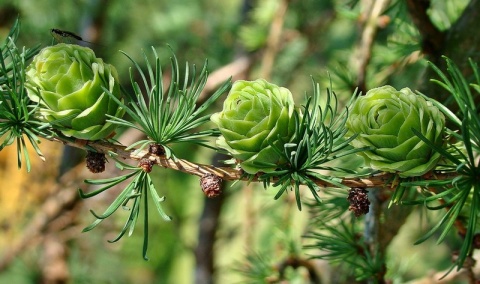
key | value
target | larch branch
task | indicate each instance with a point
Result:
(227, 173)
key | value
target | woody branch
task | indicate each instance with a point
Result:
(227, 173)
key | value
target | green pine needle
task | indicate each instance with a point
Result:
(17, 121)
(458, 195)
(318, 141)
(169, 115)
(139, 187)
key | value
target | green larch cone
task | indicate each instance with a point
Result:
(67, 81)
(384, 118)
(256, 117)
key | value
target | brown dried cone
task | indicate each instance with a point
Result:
(156, 149)
(211, 185)
(146, 165)
(359, 203)
(95, 162)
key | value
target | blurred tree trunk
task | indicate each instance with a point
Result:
(209, 222)
(208, 226)
(460, 42)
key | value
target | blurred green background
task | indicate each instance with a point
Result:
(286, 42)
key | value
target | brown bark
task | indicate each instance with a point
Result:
(462, 40)
(459, 43)
(432, 37)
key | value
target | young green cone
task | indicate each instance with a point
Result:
(67, 81)
(384, 118)
(257, 117)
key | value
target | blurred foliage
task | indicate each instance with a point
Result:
(318, 37)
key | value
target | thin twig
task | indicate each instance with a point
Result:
(235, 69)
(62, 198)
(364, 49)
(297, 262)
(273, 40)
